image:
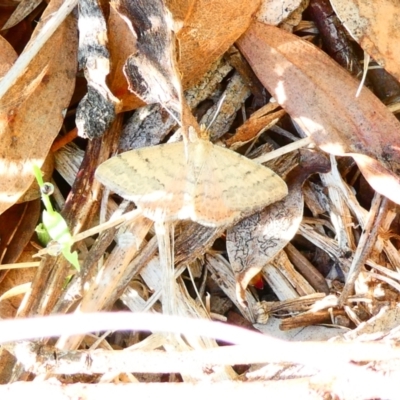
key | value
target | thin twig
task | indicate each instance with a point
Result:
(283, 150)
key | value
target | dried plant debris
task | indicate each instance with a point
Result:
(210, 233)
(149, 125)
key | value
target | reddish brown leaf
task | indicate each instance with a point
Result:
(251, 128)
(320, 96)
(210, 27)
(17, 226)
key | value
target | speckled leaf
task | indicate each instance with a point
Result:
(256, 240)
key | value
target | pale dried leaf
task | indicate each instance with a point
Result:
(375, 26)
(24, 8)
(273, 12)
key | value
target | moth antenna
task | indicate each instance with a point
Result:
(219, 105)
(172, 115)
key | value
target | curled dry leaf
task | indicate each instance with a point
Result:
(151, 71)
(122, 44)
(259, 121)
(256, 240)
(320, 96)
(31, 112)
(375, 26)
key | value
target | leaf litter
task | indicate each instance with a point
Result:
(332, 259)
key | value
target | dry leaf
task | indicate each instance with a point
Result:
(150, 70)
(205, 31)
(8, 56)
(320, 96)
(273, 12)
(210, 27)
(256, 240)
(375, 26)
(17, 226)
(24, 8)
(259, 121)
(31, 111)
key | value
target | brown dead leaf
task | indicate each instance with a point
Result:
(210, 27)
(375, 26)
(31, 111)
(17, 226)
(8, 56)
(259, 121)
(320, 96)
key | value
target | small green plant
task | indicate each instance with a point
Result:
(53, 232)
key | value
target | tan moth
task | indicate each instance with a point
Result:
(212, 186)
